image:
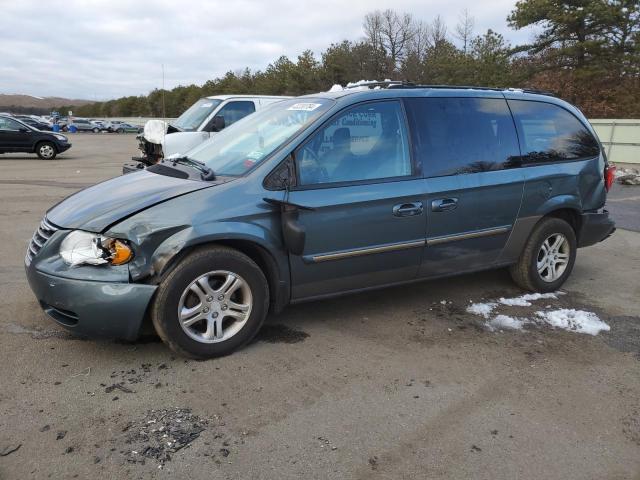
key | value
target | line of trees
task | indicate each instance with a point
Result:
(587, 51)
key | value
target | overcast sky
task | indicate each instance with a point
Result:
(106, 49)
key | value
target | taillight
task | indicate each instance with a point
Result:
(609, 176)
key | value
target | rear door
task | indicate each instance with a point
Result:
(468, 148)
(367, 225)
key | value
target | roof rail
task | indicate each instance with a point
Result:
(405, 84)
(383, 84)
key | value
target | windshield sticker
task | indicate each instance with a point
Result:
(256, 155)
(206, 105)
(305, 107)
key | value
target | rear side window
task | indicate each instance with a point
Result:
(550, 133)
(462, 135)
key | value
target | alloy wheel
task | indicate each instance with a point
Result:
(553, 257)
(215, 306)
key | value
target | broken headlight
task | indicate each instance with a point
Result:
(84, 248)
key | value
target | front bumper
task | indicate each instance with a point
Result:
(595, 227)
(63, 147)
(92, 308)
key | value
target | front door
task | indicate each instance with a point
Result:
(367, 226)
(469, 151)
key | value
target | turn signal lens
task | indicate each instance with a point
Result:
(120, 252)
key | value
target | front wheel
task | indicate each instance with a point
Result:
(212, 303)
(96, 130)
(119, 130)
(548, 256)
(46, 150)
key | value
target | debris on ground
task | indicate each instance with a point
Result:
(160, 434)
(61, 434)
(628, 176)
(9, 450)
(117, 386)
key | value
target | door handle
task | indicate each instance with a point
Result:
(444, 204)
(407, 209)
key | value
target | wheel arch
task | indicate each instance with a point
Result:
(270, 258)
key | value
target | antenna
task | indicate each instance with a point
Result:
(164, 113)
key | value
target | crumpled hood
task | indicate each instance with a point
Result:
(95, 208)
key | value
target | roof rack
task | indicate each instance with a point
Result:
(405, 84)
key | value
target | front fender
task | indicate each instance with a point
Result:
(160, 254)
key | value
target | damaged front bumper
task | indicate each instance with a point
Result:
(89, 307)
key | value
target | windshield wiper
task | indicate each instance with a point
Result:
(206, 173)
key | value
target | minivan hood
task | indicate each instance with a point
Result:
(95, 208)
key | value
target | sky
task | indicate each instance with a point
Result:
(97, 50)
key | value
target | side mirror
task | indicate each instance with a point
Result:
(218, 123)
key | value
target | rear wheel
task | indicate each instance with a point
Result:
(96, 130)
(212, 303)
(46, 150)
(120, 130)
(548, 257)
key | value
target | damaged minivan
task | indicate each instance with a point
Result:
(320, 196)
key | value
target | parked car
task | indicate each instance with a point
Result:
(199, 122)
(32, 122)
(101, 124)
(83, 125)
(324, 195)
(113, 124)
(17, 136)
(126, 128)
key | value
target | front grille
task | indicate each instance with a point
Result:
(40, 237)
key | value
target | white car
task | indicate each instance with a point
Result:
(208, 116)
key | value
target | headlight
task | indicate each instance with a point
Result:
(60, 137)
(84, 248)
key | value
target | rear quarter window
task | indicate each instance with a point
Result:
(549, 133)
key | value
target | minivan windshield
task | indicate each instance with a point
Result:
(193, 117)
(249, 141)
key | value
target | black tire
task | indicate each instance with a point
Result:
(65, 129)
(525, 272)
(119, 130)
(46, 150)
(164, 309)
(96, 130)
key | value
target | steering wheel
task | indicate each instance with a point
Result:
(310, 169)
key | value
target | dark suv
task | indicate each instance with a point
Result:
(323, 195)
(16, 136)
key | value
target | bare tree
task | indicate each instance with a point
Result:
(437, 32)
(464, 29)
(390, 32)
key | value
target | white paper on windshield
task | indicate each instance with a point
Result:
(206, 105)
(305, 107)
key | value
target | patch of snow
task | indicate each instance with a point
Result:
(574, 320)
(525, 300)
(505, 322)
(336, 88)
(483, 309)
